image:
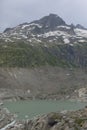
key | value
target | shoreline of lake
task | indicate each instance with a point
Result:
(31, 108)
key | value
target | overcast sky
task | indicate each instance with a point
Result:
(14, 12)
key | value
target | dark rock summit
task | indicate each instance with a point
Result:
(48, 23)
(80, 26)
(51, 21)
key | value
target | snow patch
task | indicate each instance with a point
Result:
(24, 36)
(53, 33)
(81, 40)
(29, 40)
(66, 27)
(8, 40)
(24, 26)
(45, 45)
(38, 40)
(71, 44)
(81, 32)
(34, 24)
(66, 41)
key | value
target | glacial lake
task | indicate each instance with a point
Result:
(31, 108)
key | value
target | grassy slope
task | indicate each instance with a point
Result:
(21, 54)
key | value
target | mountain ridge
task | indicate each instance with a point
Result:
(53, 16)
(51, 28)
(48, 40)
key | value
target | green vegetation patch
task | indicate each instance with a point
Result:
(21, 54)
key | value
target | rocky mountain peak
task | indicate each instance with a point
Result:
(80, 26)
(7, 29)
(51, 21)
(51, 29)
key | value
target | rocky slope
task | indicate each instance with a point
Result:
(74, 120)
(8, 121)
(42, 83)
(60, 121)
